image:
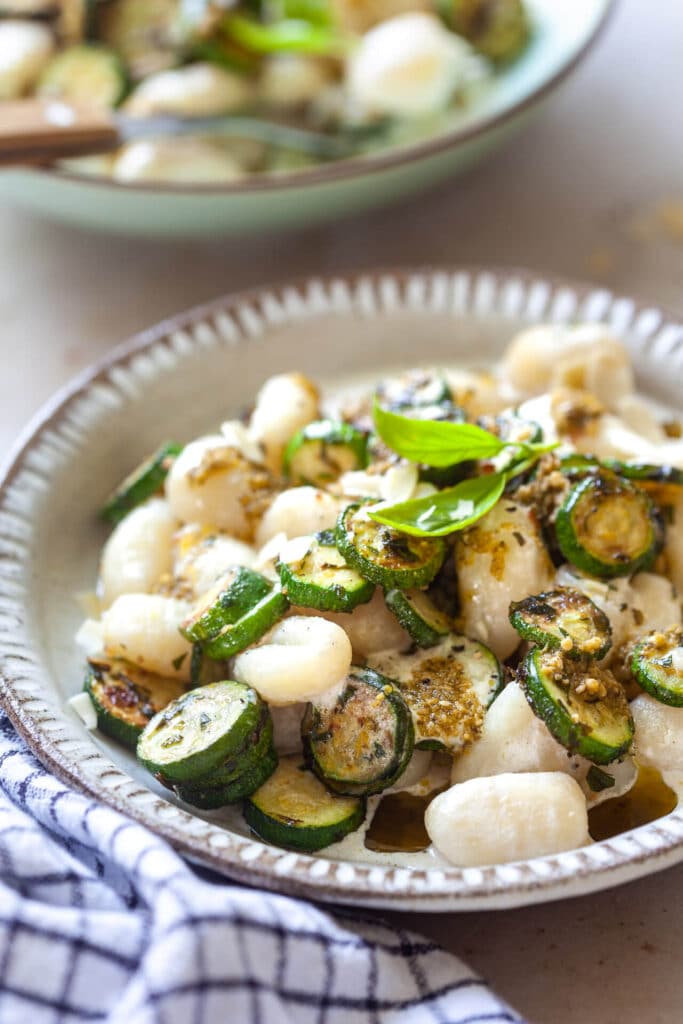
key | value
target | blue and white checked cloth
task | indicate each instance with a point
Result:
(101, 921)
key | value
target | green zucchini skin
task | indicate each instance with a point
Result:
(236, 636)
(577, 466)
(645, 472)
(322, 451)
(601, 730)
(296, 811)
(563, 619)
(211, 797)
(362, 744)
(414, 389)
(608, 527)
(418, 615)
(231, 598)
(447, 688)
(126, 697)
(323, 580)
(652, 664)
(199, 731)
(87, 72)
(385, 556)
(141, 484)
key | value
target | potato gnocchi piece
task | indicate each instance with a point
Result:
(407, 66)
(213, 483)
(656, 604)
(587, 356)
(513, 739)
(297, 512)
(202, 554)
(500, 559)
(301, 658)
(197, 90)
(25, 48)
(535, 814)
(185, 160)
(284, 404)
(138, 552)
(370, 627)
(144, 629)
(659, 735)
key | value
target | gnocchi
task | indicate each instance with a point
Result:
(302, 658)
(535, 814)
(139, 551)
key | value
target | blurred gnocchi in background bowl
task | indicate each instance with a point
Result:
(328, 106)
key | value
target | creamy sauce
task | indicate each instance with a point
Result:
(649, 798)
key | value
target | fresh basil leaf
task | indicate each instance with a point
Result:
(434, 442)
(445, 511)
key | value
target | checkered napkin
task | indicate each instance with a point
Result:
(102, 921)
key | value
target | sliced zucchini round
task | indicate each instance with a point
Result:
(141, 484)
(211, 797)
(646, 472)
(86, 73)
(363, 742)
(662, 483)
(418, 615)
(235, 636)
(447, 688)
(414, 389)
(295, 810)
(563, 619)
(233, 596)
(322, 579)
(322, 451)
(126, 697)
(608, 527)
(246, 758)
(386, 556)
(199, 731)
(657, 664)
(583, 705)
(242, 762)
(445, 476)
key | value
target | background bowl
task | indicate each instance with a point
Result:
(182, 378)
(563, 32)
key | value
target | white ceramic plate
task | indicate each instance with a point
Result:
(563, 32)
(182, 378)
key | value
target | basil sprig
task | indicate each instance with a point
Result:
(446, 511)
(435, 442)
(438, 443)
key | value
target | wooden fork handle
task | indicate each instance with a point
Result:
(39, 131)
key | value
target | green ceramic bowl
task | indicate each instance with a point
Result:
(563, 33)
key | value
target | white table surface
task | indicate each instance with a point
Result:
(593, 189)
